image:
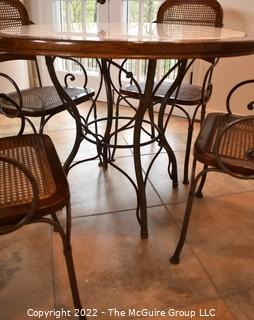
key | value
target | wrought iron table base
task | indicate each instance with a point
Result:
(103, 142)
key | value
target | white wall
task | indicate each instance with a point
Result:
(18, 71)
(238, 14)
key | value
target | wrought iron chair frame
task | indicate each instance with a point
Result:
(34, 209)
(240, 167)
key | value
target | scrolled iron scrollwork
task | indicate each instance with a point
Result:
(250, 106)
(71, 77)
(250, 154)
(232, 92)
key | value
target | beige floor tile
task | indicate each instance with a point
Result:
(116, 269)
(179, 125)
(26, 277)
(221, 234)
(217, 184)
(11, 126)
(64, 141)
(242, 304)
(94, 190)
(176, 124)
(176, 133)
(64, 120)
(177, 141)
(161, 181)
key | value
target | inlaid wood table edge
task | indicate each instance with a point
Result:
(107, 43)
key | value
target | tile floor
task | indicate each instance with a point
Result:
(115, 268)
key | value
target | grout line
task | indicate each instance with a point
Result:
(229, 307)
(193, 253)
(131, 210)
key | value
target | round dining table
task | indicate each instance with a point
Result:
(120, 41)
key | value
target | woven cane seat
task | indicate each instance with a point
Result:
(188, 94)
(45, 100)
(37, 153)
(236, 147)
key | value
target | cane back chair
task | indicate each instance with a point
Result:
(42, 101)
(225, 144)
(190, 12)
(33, 187)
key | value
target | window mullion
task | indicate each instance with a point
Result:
(141, 20)
(83, 14)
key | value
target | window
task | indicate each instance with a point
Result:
(72, 15)
(144, 11)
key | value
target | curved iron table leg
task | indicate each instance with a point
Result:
(72, 109)
(110, 102)
(144, 102)
(162, 139)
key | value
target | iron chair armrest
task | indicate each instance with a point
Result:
(34, 204)
(14, 84)
(207, 86)
(16, 106)
(250, 105)
(249, 154)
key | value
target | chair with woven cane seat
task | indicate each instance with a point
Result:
(180, 12)
(225, 144)
(33, 187)
(42, 101)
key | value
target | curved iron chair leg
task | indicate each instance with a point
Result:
(175, 259)
(54, 217)
(41, 127)
(199, 193)
(174, 173)
(189, 138)
(112, 158)
(171, 155)
(187, 154)
(94, 106)
(31, 124)
(203, 113)
(69, 262)
(172, 160)
(151, 117)
(66, 242)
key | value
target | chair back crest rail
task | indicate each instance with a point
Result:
(192, 12)
(236, 141)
